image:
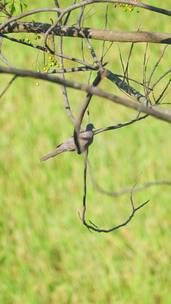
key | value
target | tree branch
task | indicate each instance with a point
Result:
(156, 112)
(97, 34)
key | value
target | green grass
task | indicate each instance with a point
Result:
(46, 255)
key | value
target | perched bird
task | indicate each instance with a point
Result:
(85, 139)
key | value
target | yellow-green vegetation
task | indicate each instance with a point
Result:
(46, 254)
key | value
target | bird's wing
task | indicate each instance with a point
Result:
(86, 138)
(86, 135)
(69, 145)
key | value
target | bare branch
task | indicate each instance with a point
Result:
(156, 66)
(120, 125)
(84, 107)
(97, 34)
(156, 112)
(145, 102)
(121, 84)
(89, 224)
(43, 49)
(64, 90)
(160, 78)
(127, 189)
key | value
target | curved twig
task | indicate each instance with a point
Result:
(89, 224)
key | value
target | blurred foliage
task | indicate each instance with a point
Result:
(46, 255)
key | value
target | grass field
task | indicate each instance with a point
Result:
(46, 254)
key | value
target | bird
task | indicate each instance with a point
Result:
(85, 139)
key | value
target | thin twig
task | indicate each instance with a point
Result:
(120, 125)
(90, 225)
(7, 86)
(64, 90)
(127, 189)
(83, 109)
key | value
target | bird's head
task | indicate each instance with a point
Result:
(90, 127)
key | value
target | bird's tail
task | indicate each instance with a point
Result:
(51, 154)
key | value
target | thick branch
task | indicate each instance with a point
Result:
(156, 112)
(97, 34)
(84, 3)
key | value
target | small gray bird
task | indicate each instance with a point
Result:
(85, 139)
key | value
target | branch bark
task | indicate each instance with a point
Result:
(156, 112)
(97, 34)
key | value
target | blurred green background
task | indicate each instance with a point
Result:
(46, 254)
